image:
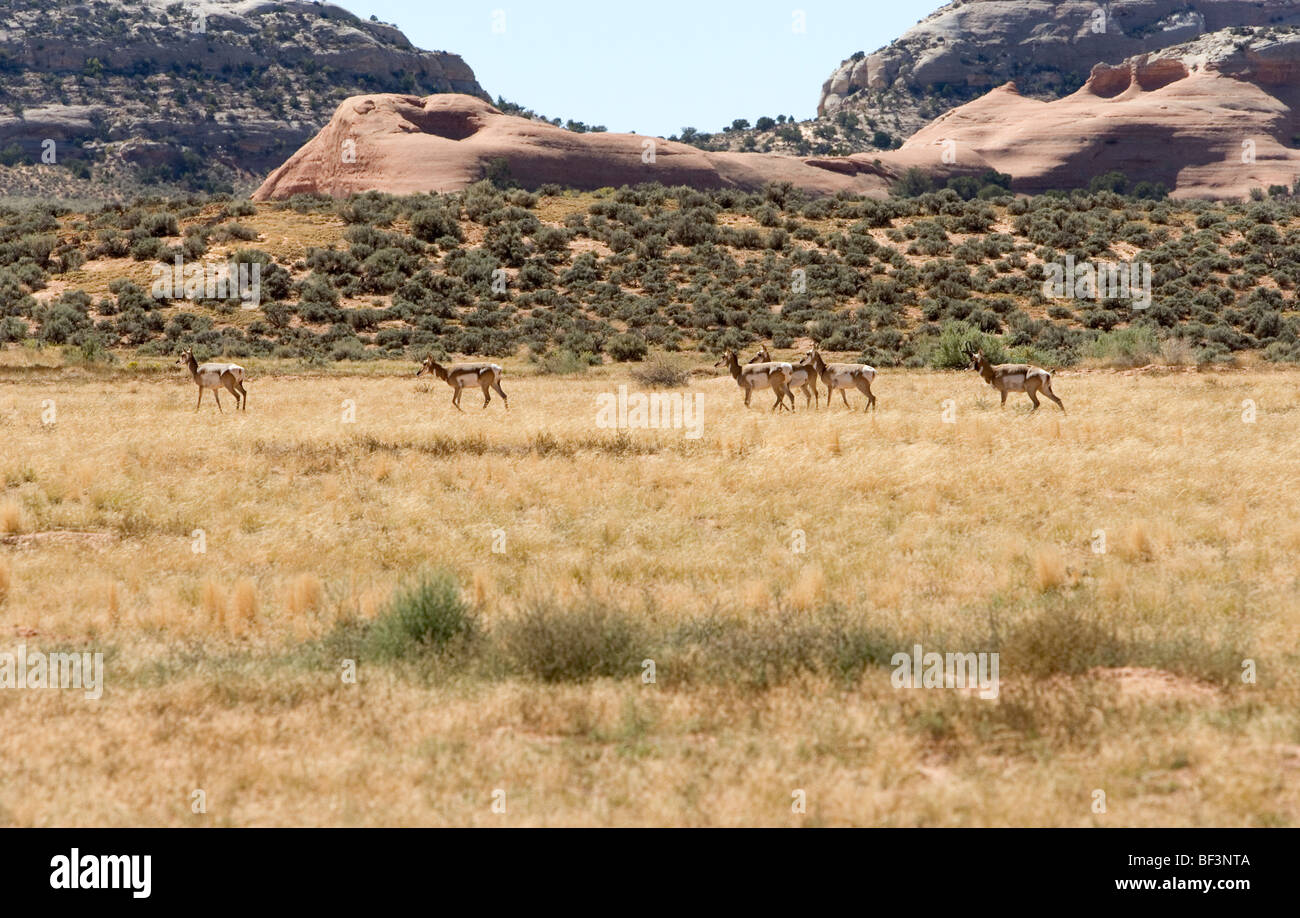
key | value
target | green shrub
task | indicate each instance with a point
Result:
(1134, 346)
(564, 362)
(1283, 352)
(914, 182)
(112, 244)
(230, 232)
(1111, 181)
(160, 224)
(1073, 639)
(350, 349)
(662, 372)
(12, 328)
(1213, 353)
(497, 171)
(627, 347)
(949, 351)
(558, 644)
(425, 613)
(432, 223)
(771, 650)
(148, 248)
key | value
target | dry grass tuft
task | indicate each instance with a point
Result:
(1135, 543)
(214, 605)
(112, 602)
(1049, 569)
(246, 605)
(11, 517)
(809, 589)
(755, 596)
(305, 595)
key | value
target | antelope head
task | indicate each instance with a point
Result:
(431, 366)
(728, 357)
(186, 357)
(976, 358)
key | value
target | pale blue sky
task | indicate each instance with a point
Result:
(655, 66)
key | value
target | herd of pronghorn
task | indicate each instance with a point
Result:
(761, 372)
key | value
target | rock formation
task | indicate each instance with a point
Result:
(234, 83)
(1215, 117)
(404, 144)
(1048, 47)
(1212, 118)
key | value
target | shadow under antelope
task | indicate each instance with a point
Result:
(215, 376)
(460, 375)
(1014, 377)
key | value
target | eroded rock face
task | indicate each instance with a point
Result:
(241, 83)
(1211, 118)
(406, 144)
(1048, 47)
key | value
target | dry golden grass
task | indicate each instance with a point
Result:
(288, 235)
(1049, 568)
(11, 517)
(949, 535)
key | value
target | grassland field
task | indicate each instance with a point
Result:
(1133, 563)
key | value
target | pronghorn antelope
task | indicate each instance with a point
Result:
(461, 375)
(843, 376)
(1014, 377)
(805, 378)
(751, 376)
(802, 377)
(215, 376)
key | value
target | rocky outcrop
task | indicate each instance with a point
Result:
(1212, 118)
(404, 144)
(1048, 47)
(236, 83)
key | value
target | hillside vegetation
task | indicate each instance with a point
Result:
(617, 273)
